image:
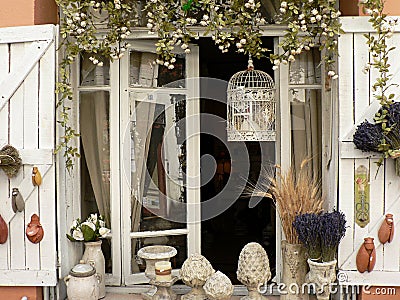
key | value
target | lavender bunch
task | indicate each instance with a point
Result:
(308, 228)
(393, 115)
(333, 229)
(368, 136)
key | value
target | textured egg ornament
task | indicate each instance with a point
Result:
(17, 202)
(36, 177)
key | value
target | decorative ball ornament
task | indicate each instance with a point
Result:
(253, 270)
(218, 287)
(194, 273)
(251, 106)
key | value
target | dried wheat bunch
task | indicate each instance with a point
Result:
(294, 192)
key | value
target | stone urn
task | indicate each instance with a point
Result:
(153, 254)
(294, 270)
(322, 274)
(253, 270)
(218, 287)
(194, 273)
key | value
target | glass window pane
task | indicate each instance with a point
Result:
(306, 68)
(158, 162)
(144, 72)
(94, 74)
(179, 242)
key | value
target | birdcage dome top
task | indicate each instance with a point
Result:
(251, 79)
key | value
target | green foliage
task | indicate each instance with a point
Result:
(310, 23)
(101, 27)
(379, 49)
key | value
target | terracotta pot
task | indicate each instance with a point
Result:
(386, 231)
(366, 256)
(3, 231)
(34, 230)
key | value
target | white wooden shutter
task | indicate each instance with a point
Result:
(356, 103)
(27, 122)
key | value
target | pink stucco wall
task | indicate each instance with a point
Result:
(351, 8)
(28, 12)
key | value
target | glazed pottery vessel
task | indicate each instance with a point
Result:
(34, 230)
(94, 257)
(82, 283)
(366, 256)
(194, 273)
(3, 231)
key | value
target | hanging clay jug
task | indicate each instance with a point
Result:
(386, 231)
(17, 202)
(3, 230)
(34, 231)
(366, 256)
(36, 177)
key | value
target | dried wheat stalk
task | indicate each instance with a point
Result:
(294, 193)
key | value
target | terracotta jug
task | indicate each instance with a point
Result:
(34, 231)
(3, 230)
(386, 231)
(366, 256)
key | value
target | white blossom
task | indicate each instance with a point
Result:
(187, 51)
(103, 231)
(77, 235)
(314, 12)
(89, 224)
(275, 68)
(282, 10)
(331, 73)
(243, 41)
(284, 4)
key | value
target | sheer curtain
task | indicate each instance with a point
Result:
(94, 122)
(306, 112)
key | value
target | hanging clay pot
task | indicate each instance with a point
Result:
(3, 230)
(366, 256)
(36, 177)
(386, 231)
(34, 231)
(17, 202)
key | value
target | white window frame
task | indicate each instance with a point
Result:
(119, 97)
(192, 90)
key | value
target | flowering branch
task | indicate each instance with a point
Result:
(310, 23)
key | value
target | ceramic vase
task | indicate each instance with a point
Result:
(386, 231)
(366, 256)
(93, 255)
(253, 270)
(322, 275)
(294, 270)
(194, 273)
(218, 287)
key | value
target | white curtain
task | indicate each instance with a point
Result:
(94, 122)
(306, 112)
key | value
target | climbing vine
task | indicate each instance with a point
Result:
(100, 28)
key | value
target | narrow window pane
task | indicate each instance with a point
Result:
(93, 74)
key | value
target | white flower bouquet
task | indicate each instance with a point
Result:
(92, 229)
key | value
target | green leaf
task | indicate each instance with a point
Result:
(70, 238)
(88, 233)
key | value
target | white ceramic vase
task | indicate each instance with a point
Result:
(94, 256)
(322, 275)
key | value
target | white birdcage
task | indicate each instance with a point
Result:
(251, 106)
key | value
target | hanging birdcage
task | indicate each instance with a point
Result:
(251, 106)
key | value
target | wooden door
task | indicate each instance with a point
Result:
(27, 122)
